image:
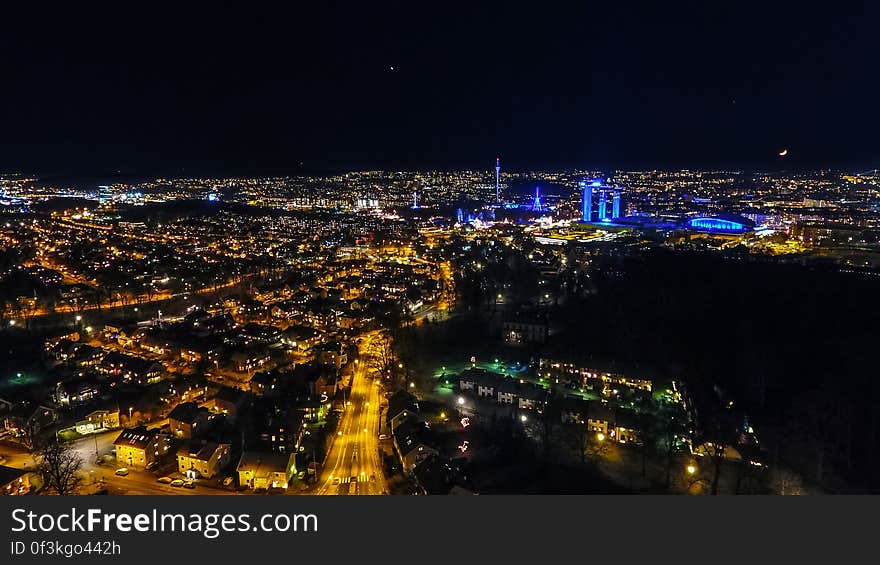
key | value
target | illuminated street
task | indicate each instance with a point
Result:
(353, 465)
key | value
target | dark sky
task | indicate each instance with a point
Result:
(606, 85)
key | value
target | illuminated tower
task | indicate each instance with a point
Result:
(615, 208)
(415, 200)
(497, 179)
(587, 199)
(536, 205)
(602, 205)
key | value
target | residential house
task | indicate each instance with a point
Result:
(332, 354)
(140, 447)
(276, 425)
(14, 481)
(438, 475)
(318, 380)
(525, 327)
(87, 356)
(77, 392)
(131, 369)
(202, 459)
(618, 425)
(502, 389)
(554, 368)
(262, 471)
(267, 383)
(188, 420)
(251, 360)
(402, 406)
(98, 421)
(301, 337)
(229, 401)
(26, 418)
(412, 443)
(252, 333)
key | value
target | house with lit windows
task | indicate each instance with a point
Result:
(202, 460)
(139, 447)
(261, 471)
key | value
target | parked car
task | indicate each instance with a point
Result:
(165, 480)
(189, 484)
(122, 471)
(228, 481)
(152, 465)
(176, 483)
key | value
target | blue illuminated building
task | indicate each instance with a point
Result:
(604, 214)
(722, 223)
(587, 200)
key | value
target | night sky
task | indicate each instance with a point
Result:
(606, 85)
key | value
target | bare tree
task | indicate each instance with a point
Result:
(384, 356)
(59, 466)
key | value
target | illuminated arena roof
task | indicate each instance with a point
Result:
(721, 223)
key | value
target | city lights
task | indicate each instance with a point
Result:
(303, 268)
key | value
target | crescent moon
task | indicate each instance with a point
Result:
(783, 153)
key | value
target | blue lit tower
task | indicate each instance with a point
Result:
(536, 205)
(497, 179)
(415, 200)
(586, 200)
(615, 208)
(602, 205)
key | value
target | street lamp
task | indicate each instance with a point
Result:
(130, 408)
(691, 469)
(600, 436)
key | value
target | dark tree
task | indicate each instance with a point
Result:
(59, 466)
